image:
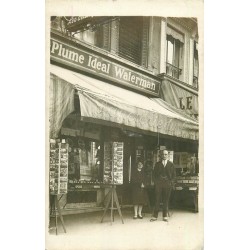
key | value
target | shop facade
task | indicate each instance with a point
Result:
(108, 107)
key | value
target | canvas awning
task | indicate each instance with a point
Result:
(106, 102)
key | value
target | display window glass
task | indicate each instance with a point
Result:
(85, 160)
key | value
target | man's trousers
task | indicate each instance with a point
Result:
(163, 189)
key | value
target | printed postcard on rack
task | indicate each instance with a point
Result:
(124, 119)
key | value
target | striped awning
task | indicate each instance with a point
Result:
(105, 102)
(61, 103)
(172, 94)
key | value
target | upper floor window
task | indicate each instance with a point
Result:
(99, 37)
(125, 36)
(196, 66)
(133, 37)
(174, 63)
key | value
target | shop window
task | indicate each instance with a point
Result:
(174, 62)
(85, 161)
(99, 37)
(196, 66)
(89, 163)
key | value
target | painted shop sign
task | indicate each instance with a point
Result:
(187, 104)
(181, 98)
(85, 61)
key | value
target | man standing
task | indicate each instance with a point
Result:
(164, 176)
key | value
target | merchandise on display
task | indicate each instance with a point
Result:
(113, 163)
(58, 167)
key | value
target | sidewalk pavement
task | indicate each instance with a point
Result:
(183, 231)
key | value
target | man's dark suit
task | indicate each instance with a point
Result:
(164, 180)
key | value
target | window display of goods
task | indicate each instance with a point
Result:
(58, 174)
(113, 163)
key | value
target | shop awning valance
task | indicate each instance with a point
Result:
(172, 93)
(106, 102)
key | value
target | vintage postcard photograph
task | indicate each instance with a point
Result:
(124, 122)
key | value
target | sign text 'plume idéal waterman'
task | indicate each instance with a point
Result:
(91, 63)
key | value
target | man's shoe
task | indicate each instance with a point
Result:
(153, 219)
(135, 217)
(165, 219)
(140, 217)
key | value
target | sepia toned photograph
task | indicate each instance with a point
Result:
(123, 119)
(129, 124)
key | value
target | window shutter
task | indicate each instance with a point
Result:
(145, 34)
(177, 53)
(130, 39)
(170, 49)
(196, 61)
(115, 36)
(103, 37)
(106, 36)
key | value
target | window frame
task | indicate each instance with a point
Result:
(195, 61)
(173, 69)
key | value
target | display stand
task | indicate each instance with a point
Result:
(111, 198)
(55, 207)
(113, 152)
(58, 181)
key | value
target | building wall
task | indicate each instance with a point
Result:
(189, 35)
(156, 44)
(154, 49)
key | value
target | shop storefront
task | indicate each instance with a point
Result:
(183, 99)
(103, 116)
